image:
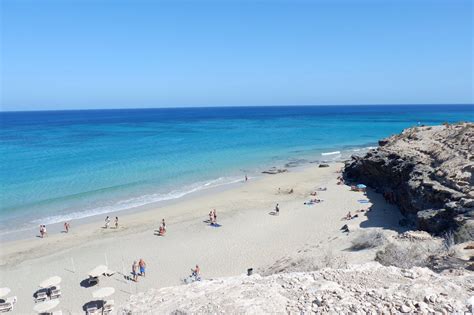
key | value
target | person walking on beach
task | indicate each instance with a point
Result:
(142, 265)
(277, 209)
(134, 271)
(66, 227)
(214, 214)
(107, 222)
(41, 231)
(163, 224)
(211, 220)
(116, 222)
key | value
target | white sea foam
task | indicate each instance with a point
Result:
(139, 201)
(331, 153)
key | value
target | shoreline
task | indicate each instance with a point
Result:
(249, 237)
(294, 164)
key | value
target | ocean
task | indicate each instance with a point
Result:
(65, 165)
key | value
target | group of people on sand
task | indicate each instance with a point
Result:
(138, 269)
(213, 217)
(107, 222)
(162, 229)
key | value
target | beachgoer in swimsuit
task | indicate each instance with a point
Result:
(45, 233)
(349, 216)
(246, 178)
(134, 271)
(107, 222)
(116, 222)
(163, 224)
(41, 231)
(277, 209)
(211, 221)
(66, 227)
(142, 266)
(195, 272)
(215, 216)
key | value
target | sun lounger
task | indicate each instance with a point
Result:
(55, 292)
(93, 280)
(92, 310)
(108, 307)
(6, 307)
(41, 296)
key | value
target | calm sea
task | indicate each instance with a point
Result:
(62, 165)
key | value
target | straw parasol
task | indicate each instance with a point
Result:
(4, 291)
(50, 282)
(45, 306)
(97, 271)
(103, 292)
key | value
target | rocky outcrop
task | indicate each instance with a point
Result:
(367, 288)
(428, 173)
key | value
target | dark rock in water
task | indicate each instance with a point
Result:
(275, 170)
(323, 165)
(427, 172)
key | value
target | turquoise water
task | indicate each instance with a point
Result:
(62, 165)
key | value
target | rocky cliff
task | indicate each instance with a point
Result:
(428, 173)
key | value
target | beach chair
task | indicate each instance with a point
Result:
(92, 310)
(55, 292)
(41, 296)
(108, 307)
(93, 280)
(6, 307)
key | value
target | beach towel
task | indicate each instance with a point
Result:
(216, 225)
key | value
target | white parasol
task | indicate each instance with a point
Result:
(98, 271)
(45, 306)
(103, 292)
(4, 291)
(50, 282)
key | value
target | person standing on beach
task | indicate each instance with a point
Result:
(107, 222)
(142, 266)
(41, 231)
(66, 227)
(116, 222)
(214, 214)
(246, 178)
(277, 209)
(163, 224)
(211, 220)
(134, 271)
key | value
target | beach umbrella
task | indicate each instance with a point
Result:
(361, 186)
(97, 271)
(50, 282)
(4, 291)
(45, 306)
(103, 292)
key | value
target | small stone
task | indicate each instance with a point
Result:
(405, 309)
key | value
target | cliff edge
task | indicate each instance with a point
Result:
(428, 173)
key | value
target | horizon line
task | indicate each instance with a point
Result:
(228, 106)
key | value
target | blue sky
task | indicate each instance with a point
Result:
(115, 53)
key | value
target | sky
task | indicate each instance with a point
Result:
(130, 54)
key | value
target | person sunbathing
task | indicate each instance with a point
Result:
(161, 231)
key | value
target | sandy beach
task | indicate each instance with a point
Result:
(249, 237)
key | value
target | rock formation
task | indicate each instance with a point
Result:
(365, 288)
(428, 173)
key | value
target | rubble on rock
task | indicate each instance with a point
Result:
(370, 287)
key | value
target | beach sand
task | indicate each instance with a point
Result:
(249, 237)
